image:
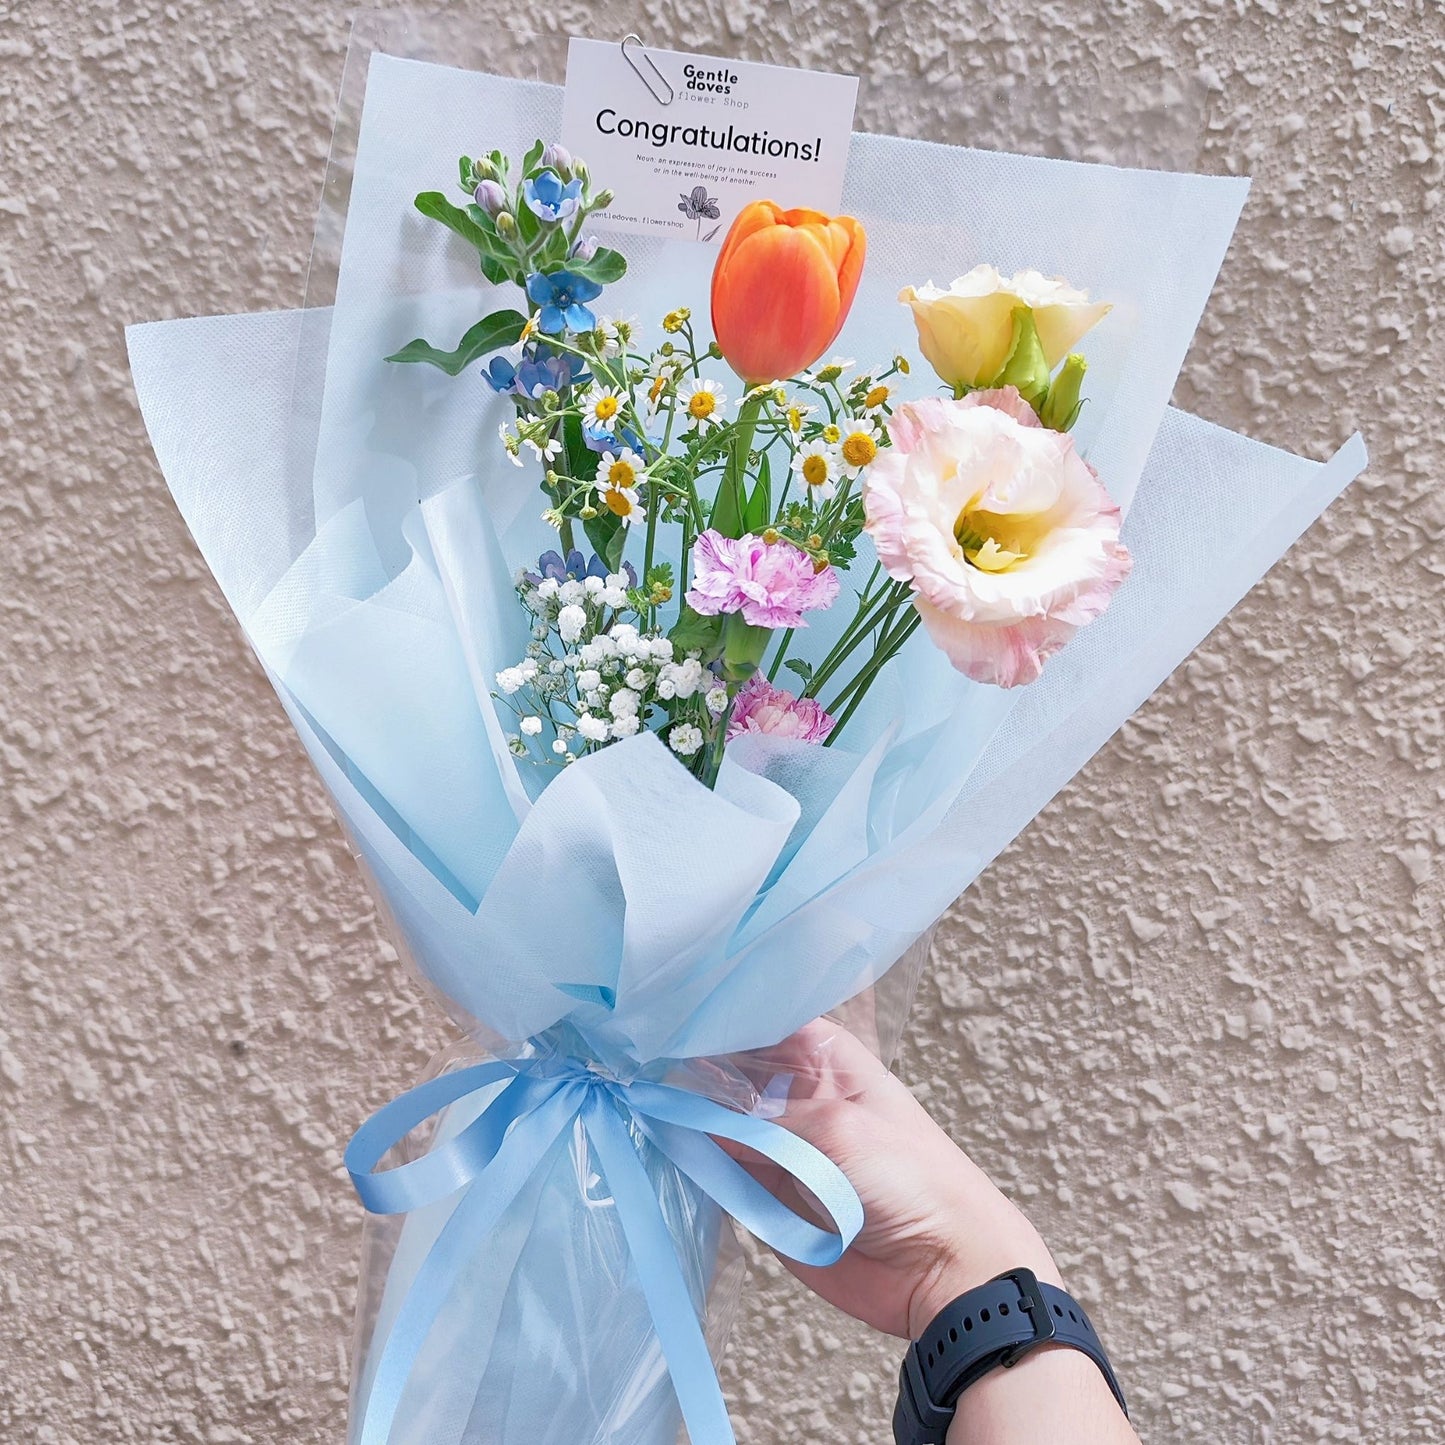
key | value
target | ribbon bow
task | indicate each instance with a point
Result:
(494, 1156)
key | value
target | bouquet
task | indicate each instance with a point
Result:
(657, 764)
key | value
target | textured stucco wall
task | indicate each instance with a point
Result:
(1193, 1020)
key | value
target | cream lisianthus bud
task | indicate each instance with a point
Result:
(967, 330)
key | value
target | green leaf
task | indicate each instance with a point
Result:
(693, 632)
(608, 535)
(1026, 367)
(464, 171)
(553, 254)
(758, 511)
(494, 270)
(581, 459)
(803, 669)
(475, 227)
(436, 206)
(604, 267)
(532, 157)
(493, 332)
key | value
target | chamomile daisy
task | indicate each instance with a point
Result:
(602, 408)
(618, 477)
(818, 465)
(704, 402)
(875, 399)
(857, 443)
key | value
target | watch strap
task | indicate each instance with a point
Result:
(990, 1327)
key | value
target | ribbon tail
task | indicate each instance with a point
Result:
(679, 1123)
(654, 1254)
(478, 1212)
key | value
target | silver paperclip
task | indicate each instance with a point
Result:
(637, 70)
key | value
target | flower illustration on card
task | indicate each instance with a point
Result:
(698, 206)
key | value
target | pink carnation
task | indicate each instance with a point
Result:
(771, 584)
(762, 708)
(1008, 539)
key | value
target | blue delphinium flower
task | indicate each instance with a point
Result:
(500, 374)
(548, 198)
(544, 369)
(573, 568)
(562, 297)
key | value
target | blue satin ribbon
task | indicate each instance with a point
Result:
(534, 1102)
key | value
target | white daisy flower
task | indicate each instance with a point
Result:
(833, 370)
(510, 442)
(877, 397)
(704, 401)
(796, 412)
(546, 452)
(618, 477)
(602, 408)
(857, 443)
(819, 466)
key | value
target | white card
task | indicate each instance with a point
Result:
(732, 132)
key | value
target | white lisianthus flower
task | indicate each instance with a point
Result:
(717, 701)
(623, 703)
(588, 679)
(571, 591)
(626, 727)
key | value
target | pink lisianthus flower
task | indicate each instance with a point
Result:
(762, 708)
(771, 583)
(1008, 539)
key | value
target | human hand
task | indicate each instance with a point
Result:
(934, 1225)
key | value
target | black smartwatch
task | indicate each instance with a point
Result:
(995, 1325)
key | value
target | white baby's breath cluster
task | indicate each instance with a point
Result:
(590, 677)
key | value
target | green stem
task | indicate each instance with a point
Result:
(858, 688)
(732, 491)
(784, 642)
(870, 613)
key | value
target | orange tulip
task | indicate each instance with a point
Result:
(782, 287)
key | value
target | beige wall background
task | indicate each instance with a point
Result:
(1192, 1021)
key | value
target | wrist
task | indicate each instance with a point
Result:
(967, 1262)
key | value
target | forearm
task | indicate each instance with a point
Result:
(1054, 1395)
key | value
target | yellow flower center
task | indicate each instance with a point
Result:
(702, 404)
(675, 320)
(657, 387)
(529, 330)
(831, 434)
(621, 474)
(975, 535)
(876, 397)
(815, 470)
(606, 408)
(795, 418)
(859, 449)
(618, 503)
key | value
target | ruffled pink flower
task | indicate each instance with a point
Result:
(1003, 529)
(771, 584)
(762, 708)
